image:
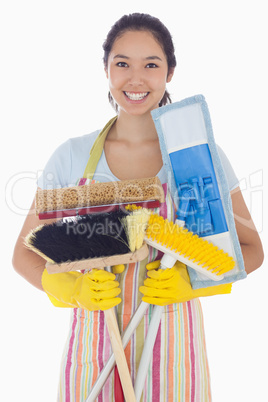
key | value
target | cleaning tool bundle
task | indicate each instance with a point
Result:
(177, 244)
(197, 180)
(98, 197)
(75, 201)
(200, 190)
(88, 242)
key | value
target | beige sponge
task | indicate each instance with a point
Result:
(114, 192)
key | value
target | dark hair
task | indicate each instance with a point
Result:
(142, 22)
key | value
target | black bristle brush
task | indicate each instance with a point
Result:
(91, 238)
(88, 236)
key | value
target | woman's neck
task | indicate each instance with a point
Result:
(134, 128)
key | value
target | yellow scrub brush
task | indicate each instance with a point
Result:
(179, 244)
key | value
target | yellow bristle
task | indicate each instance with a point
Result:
(214, 261)
(227, 266)
(190, 246)
(195, 254)
(185, 245)
(153, 227)
(132, 207)
(203, 258)
(193, 249)
(174, 244)
(136, 224)
(170, 241)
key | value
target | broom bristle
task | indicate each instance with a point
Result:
(88, 236)
(192, 247)
(136, 223)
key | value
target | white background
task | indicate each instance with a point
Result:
(53, 87)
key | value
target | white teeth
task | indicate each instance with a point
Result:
(136, 96)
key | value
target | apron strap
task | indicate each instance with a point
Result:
(96, 150)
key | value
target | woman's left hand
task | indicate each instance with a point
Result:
(172, 285)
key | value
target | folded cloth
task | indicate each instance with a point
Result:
(191, 159)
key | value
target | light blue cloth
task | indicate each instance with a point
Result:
(67, 164)
(197, 280)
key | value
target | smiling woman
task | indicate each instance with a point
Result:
(139, 62)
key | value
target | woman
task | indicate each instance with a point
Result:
(139, 61)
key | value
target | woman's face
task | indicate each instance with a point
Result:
(138, 72)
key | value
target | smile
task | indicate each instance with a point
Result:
(136, 96)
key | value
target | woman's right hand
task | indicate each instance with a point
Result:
(31, 266)
(94, 290)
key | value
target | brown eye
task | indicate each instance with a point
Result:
(122, 64)
(151, 65)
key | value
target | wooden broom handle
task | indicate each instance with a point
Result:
(111, 321)
(119, 355)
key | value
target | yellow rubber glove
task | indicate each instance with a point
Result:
(163, 287)
(94, 290)
(118, 269)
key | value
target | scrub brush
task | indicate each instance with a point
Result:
(180, 244)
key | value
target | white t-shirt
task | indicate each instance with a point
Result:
(67, 164)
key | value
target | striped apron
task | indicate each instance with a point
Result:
(178, 370)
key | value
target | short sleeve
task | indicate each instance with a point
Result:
(56, 173)
(232, 179)
(67, 164)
